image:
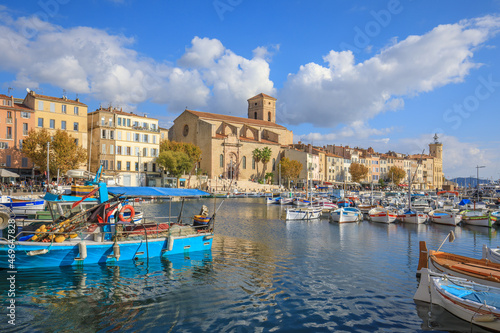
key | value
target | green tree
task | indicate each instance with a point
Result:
(269, 177)
(396, 174)
(175, 162)
(265, 156)
(191, 150)
(257, 156)
(358, 171)
(64, 153)
(290, 169)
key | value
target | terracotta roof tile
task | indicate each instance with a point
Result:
(4, 96)
(260, 96)
(57, 99)
(233, 119)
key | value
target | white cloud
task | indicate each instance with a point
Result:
(343, 91)
(86, 60)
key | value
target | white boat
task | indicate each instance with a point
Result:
(412, 216)
(448, 217)
(477, 217)
(346, 214)
(286, 201)
(491, 254)
(303, 213)
(21, 206)
(472, 302)
(301, 202)
(382, 215)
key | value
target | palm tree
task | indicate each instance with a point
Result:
(257, 156)
(265, 156)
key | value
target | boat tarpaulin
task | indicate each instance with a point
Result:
(464, 202)
(134, 191)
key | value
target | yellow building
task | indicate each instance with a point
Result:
(53, 113)
(126, 144)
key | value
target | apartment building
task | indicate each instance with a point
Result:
(126, 144)
(53, 113)
(16, 120)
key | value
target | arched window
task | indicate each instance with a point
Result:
(274, 164)
(253, 163)
(244, 162)
(269, 116)
(255, 115)
(221, 161)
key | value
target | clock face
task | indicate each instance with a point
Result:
(185, 131)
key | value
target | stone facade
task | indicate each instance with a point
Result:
(227, 142)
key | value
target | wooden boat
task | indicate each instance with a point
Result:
(412, 216)
(494, 217)
(447, 217)
(22, 206)
(491, 254)
(475, 303)
(301, 202)
(476, 217)
(382, 215)
(104, 233)
(346, 215)
(285, 201)
(479, 270)
(303, 213)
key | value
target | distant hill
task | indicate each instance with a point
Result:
(469, 182)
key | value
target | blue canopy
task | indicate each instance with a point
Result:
(464, 202)
(134, 191)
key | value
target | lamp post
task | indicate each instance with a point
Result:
(477, 185)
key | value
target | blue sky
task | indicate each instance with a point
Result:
(385, 74)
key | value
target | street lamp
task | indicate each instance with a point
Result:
(477, 185)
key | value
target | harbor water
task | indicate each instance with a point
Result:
(263, 274)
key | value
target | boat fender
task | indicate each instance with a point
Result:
(4, 220)
(122, 211)
(82, 248)
(116, 251)
(170, 245)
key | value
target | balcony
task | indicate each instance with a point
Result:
(141, 128)
(9, 121)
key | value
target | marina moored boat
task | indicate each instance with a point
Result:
(22, 206)
(478, 270)
(346, 215)
(412, 216)
(447, 217)
(382, 215)
(303, 213)
(92, 236)
(472, 302)
(491, 254)
(477, 217)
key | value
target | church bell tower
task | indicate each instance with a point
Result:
(262, 107)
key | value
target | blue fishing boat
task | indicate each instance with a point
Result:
(104, 233)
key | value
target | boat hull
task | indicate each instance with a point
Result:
(445, 218)
(67, 253)
(343, 215)
(303, 213)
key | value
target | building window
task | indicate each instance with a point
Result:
(244, 162)
(25, 115)
(269, 116)
(75, 126)
(255, 115)
(24, 162)
(63, 124)
(253, 163)
(118, 165)
(9, 133)
(274, 164)
(136, 166)
(137, 136)
(20, 144)
(111, 149)
(8, 164)
(102, 121)
(128, 166)
(145, 166)
(145, 138)
(52, 107)
(40, 122)
(103, 134)
(63, 108)
(128, 122)
(112, 135)
(103, 149)
(154, 138)
(128, 151)
(52, 123)
(76, 142)
(144, 152)
(25, 128)
(128, 136)
(76, 110)
(40, 105)
(154, 167)
(221, 160)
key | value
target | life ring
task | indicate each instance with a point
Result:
(132, 213)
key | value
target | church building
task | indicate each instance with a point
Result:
(227, 142)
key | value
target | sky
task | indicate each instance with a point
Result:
(381, 74)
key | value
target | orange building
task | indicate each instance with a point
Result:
(16, 120)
